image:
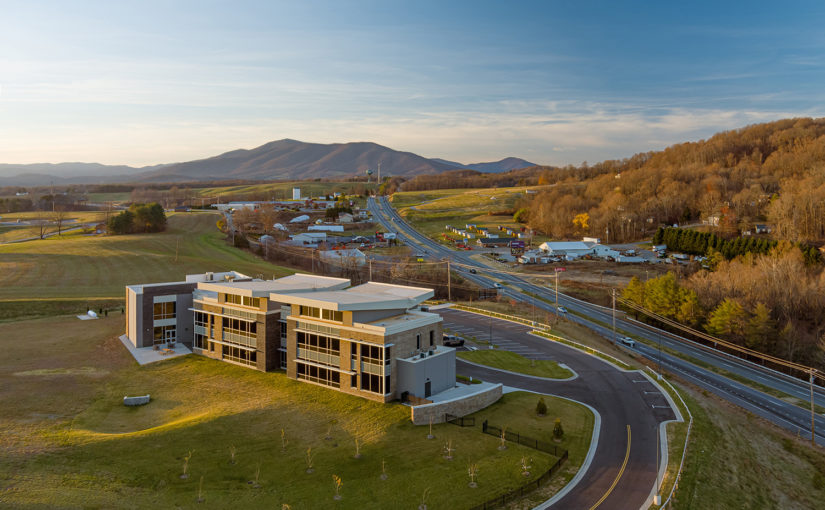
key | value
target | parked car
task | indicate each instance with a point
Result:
(627, 341)
(452, 341)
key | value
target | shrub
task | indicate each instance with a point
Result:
(541, 407)
(558, 431)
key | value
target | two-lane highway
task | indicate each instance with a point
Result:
(779, 412)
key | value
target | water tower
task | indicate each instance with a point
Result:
(369, 175)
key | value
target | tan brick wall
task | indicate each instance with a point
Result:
(420, 415)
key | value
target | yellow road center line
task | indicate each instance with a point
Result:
(619, 475)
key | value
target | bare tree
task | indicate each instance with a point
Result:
(58, 216)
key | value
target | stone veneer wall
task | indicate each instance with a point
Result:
(462, 406)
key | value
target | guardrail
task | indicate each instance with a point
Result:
(589, 350)
(544, 333)
(684, 450)
(511, 318)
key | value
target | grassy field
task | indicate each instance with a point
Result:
(430, 211)
(68, 442)
(736, 460)
(283, 190)
(25, 230)
(513, 362)
(517, 412)
(77, 268)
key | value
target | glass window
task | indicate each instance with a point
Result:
(432, 338)
(418, 341)
(318, 375)
(163, 310)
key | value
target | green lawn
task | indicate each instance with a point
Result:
(100, 266)
(431, 211)
(736, 460)
(517, 412)
(69, 442)
(513, 362)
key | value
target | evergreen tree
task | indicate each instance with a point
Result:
(727, 320)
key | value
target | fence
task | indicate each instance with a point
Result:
(524, 489)
(521, 439)
(463, 421)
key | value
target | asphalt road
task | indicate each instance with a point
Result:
(788, 416)
(621, 398)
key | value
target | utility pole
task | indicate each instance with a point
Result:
(556, 274)
(370, 259)
(813, 438)
(614, 315)
(659, 336)
(449, 282)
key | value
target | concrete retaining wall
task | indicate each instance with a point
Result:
(461, 406)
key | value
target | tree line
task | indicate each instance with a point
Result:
(770, 302)
(138, 218)
(772, 172)
(694, 242)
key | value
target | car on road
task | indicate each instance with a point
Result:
(562, 309)
(496, 285)
(473, 270)
(627, 341)
(452, 341)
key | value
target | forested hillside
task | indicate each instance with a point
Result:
(772, 173)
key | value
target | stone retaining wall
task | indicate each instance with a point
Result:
(461, 406)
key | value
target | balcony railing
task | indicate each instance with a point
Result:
(239, 339)
(317, 328)
(239, 313)
(319, 357)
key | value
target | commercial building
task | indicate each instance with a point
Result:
(235, 321)
(371, 340)
(158, 313)
(357, 340)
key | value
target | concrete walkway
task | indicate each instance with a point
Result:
(146, 355)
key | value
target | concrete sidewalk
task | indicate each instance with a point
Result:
(146, 355)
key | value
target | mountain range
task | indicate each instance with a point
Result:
(282, 159)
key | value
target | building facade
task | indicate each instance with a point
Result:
(370, 340)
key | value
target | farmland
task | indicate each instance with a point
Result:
(431, 211)
(69, 442)
(83, 269)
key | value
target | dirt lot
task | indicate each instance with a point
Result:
(592, 279)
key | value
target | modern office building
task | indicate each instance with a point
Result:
(236, 321)
(158, 313)
(371, 340)
(364, 340)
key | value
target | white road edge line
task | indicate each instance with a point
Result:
(574, 376)
(594, 442)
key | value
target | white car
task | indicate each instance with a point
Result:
(562, 309)
(496, 285)
(627, 341)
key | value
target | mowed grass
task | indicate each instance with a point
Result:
(517, 412)
(68, 442)
(283, 190)
(100, 266)
(513, 362)
(430, 211)
(736, 460)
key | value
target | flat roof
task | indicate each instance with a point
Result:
(298, 282)
(369, 296)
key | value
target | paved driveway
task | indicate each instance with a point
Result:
(622, 399)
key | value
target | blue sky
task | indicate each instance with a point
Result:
(554, 82)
